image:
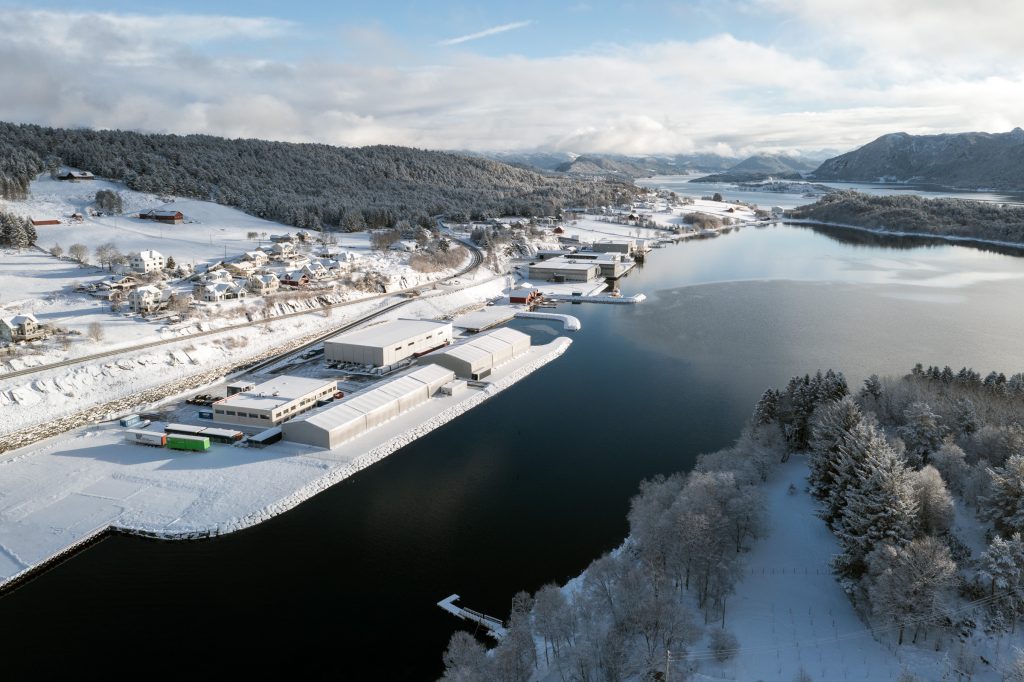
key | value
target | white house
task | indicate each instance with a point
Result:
(147, 261)
(21, 328)
(282, 249)
(261, 285)
(148, 299)
(316, 271)
(222, 291)
(257, 257)
(405, 245)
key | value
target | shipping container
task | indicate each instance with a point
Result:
(185, 429)
(154, 438)
(130, 420)
(181, 442)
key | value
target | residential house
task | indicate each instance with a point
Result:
(171, 217)
(405, 245)
(261, 285)
(295, 278)
(222, 291)
(149, 299)
(315, 271)
(256, 257)
(21, 328)
(242, 268)
(146, 261)
(76, 175)
(282, 249)
(286, 238)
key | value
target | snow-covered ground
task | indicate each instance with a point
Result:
(58, 493)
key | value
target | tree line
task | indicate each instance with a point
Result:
(918, 215)
(313, 186)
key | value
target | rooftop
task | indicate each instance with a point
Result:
(389, 332)
(276, 392)
(558, 264)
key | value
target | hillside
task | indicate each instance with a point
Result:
(306, 185)
(760, 167)
(966, 160)
(619, 166)
(910, 213)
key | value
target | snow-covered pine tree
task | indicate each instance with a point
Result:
(922, 432)
(1002, 566)
(767, 409)
(880, 507)
(1004, 505)
(830, 428)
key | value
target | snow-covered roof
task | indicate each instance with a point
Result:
(389, 333)
(278, 391)
(18, 320)
(150, 254)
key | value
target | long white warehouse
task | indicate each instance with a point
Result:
(388, 343)
(477, 357)
(331, 425)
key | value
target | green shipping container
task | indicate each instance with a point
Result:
(178, 442)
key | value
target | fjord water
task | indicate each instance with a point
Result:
(535, 483)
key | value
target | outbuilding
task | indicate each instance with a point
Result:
(388, 343)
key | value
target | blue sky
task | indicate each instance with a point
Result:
(632, 77)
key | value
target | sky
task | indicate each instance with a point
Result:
(643, 77)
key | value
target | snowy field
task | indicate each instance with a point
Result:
(57, 493)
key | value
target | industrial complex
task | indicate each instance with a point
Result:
(270, 403)
(476, 357)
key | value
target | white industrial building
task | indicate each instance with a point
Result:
(625, 245)
(568, 270)
(388, 343)
(272, 402)
(331, 425)
(477, 357)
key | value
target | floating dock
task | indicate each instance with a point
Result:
(569, 323)
(635, 298)
(495, 628)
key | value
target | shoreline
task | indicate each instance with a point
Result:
(899, 233)
(334, 474)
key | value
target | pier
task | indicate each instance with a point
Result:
(635, 298)
(569, 323)
(495, 628)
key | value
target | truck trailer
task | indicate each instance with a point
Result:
(143, 437)
(182, 442)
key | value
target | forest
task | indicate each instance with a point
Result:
(889, 466)
(313, 186)
(914, 214)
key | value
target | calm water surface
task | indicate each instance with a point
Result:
(535, 483)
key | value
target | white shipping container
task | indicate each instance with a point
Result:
(145, 437)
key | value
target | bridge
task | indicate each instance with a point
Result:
(495, 628)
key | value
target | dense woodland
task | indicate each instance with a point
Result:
(889, 466)
(914, 214)
(307, 185)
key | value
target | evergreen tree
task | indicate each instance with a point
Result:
(171, 264)
(922, 432)
(767, 408)
(1004, 505)
(30, 232)
(1002, 566)
(830, 429)
(880, 507)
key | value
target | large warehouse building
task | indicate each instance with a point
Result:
(388, 343)
(564, 271)
(477, 357)
(272, 402)
(331, 425)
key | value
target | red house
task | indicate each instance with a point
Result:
(524, 296)
(172, 217)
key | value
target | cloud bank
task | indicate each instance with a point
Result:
(849, 80)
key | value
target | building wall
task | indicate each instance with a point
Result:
(379, 356)
(244, 415)
(545, 272)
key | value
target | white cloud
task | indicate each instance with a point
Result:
(126, 71)
(494, 30)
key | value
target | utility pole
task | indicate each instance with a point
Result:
(668, 657)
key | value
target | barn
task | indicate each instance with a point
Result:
(331, 425)
(45, 221)
(164, 216)
(479, 355)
